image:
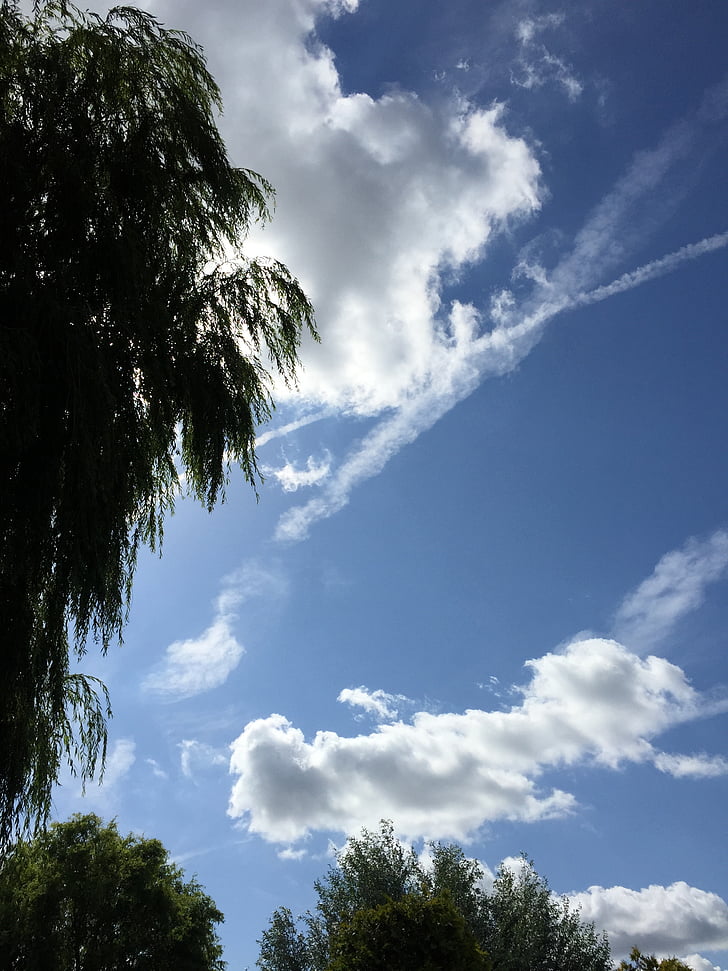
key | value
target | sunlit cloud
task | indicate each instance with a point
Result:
(445, 775)
(661, 920)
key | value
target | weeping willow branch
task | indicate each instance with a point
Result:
(131, 345)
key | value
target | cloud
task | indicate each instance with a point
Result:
(477, 345)
(119, 762)
(662, 920)
(202, 663)
(380, 704)
(293, 479)
(445, 775)
(199, 663)
(196, 756)
(382, 203)
(156, 768)
(698, 963)
(537, 66)
(120, 758)
(676, 587)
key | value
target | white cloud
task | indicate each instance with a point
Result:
(378, 199)
(444, 776)
(202, 663)
(119, 762)
(380, 704)
(381, 203)
(197, 664)
(537, 66)
(103, 794)
(197, 756)
(698, 963)
(615, 228)
(156, 768)
(698, 766)
(662, 920)
(292, 479)
(676, 587)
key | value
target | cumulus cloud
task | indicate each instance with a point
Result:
(380, 704)
(479, 345)
(379, 200)
(382, 202)
(662, 920)
(445, 775)
(676, 587)
(698, 963)
(202, 663)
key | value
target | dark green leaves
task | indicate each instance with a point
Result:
(136, 339)
(83, 897)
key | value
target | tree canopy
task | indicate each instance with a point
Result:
(81, 897)
(649, 962)
(518, 923)
(136, 347)
(415, 933)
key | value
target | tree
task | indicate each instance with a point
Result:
(648, 962)
(415, 933)
(526, 927)
(518, 924)
(136, 342)
(81, 897)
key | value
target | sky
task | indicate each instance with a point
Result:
(483, 591)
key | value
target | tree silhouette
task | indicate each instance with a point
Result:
(136, 343)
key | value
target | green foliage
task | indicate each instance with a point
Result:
(648, 962)
(527, 928)
(415, 933)
(282, 946)
(80, 897)
(136, 342)
(519, 924)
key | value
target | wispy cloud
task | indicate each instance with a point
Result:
(676, 587)
(289, 427)
(198, 756)
(202, 663)
(292, 479)
(380, 704)
(537, 66)
(445, 775)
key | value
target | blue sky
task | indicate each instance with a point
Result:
(483, 591)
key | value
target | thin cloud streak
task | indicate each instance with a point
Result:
(676, 587)
(471, 362)
(199, 664)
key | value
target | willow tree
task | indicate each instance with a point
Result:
(136, 342)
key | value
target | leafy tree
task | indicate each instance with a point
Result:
(648, 962)
(81, 897)
(415, 933)
(136, 342)
(283, 947)
(519, 924)
(527, 928)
